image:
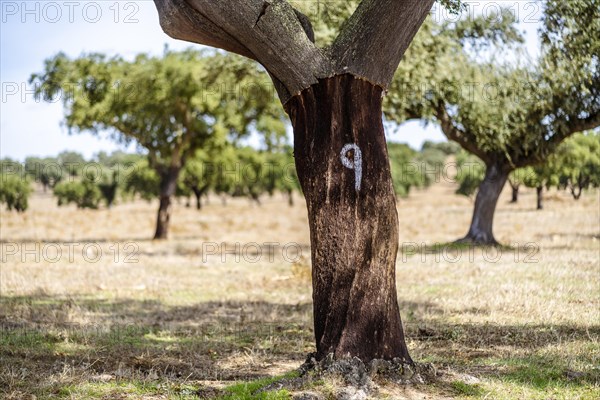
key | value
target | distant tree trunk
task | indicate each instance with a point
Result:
(198, 195)
(540, 197)
(168, 184)
(200, 191)
(255, 198)
(342, 162)
(576, 192)
(290, 194)
(515, 192)
(481, 230)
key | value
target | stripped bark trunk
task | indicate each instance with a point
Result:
(352, 217)
(333, 98)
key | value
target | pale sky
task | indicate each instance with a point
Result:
(32, 31)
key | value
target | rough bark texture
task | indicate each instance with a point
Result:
(481, 230)
(540, 197)
(353, 226)
(168, 184)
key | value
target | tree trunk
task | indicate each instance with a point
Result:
(290, 194)
(515, 193)
(342, 162)
(198, 193)
(481, 230)
(540, 197)
(576, 191)
(168, 184)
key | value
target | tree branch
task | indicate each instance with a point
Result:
(180, 21)
(585, 124)
(270, 32)
(459, 136)
(375, 37)
(578, 125)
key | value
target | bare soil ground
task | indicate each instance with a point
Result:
(90, 307)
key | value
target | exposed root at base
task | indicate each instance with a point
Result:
(358, 380)
(477, 241)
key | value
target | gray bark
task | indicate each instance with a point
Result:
(481, 229)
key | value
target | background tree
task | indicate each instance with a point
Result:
(515, 180)
(578, 163)
(540, 177)
(253, 178)
(47, 171)
(197, 176)
(407, 169)
(108, 187)
(282, 175)
(84, 193)
(15, 186)
(509, 116)
(470, 172)
(170, 106)
(72, 162)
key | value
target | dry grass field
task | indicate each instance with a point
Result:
(91, 308)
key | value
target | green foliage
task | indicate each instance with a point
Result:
(578, 163)
(170, 105)
(570, 66)
(516, 114)
(447, 148)
(48, 171)
(117, 159)
(15, 187)
(282, 174)
(108, 186)
(71, 162)
(493, 29)
(328, 17)
(197, 175)
(407, 170)
(143, 181)
(250, 181)
(470, 172)
(84, 193)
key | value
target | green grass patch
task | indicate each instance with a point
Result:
(465, 389)
(250, 390)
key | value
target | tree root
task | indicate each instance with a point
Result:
(359, 380)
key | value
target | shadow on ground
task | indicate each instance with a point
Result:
(49, 343)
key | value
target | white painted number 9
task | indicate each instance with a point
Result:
(354, 163)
